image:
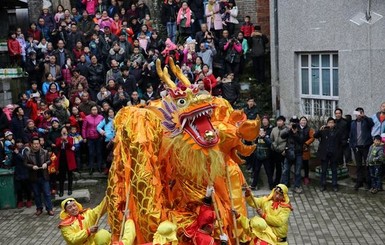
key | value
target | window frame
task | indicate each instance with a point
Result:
(321, 96)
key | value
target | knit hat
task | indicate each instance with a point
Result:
(8, 133)
(55, 119)
(30, 120)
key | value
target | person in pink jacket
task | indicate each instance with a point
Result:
(93, 139)
(213, 17)
(90, 6)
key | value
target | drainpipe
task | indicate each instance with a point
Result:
(276, 88)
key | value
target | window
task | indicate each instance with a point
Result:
(318, 79)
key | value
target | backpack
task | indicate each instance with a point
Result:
(258, 48)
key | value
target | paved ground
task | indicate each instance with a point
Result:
(345, 217)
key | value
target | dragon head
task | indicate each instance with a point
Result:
(185, 110)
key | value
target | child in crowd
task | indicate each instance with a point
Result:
(247, 28)
(20, 38)
(22, 183)
(9, 144)
(14, 49)
(375, 160)
(143, 42)
(74, 133)
(148, 22)
(43, 45)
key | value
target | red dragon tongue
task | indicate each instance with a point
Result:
(204, 127)
(199, 127)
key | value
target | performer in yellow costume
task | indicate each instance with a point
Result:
(79, 226)
(274, 211)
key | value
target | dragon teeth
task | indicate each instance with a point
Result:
(184, 122)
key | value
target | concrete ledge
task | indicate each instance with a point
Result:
(82, 195)
(85, 182)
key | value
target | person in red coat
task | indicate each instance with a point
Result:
(76, 118)
(209, 80)
(67, 162)
(34, 32)
(33, 104)
(200, 231)
(52, 94)
(14, 49)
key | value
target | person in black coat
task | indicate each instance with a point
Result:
(95, 77)
(127, 80)
(343, 126)
(18, 123)
(34, 68)
(22, 183)
(328, 151)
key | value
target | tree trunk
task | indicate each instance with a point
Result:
(34, 9)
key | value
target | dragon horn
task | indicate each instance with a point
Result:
(178, 73)
(163, 75)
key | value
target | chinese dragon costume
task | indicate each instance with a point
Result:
(168, 152)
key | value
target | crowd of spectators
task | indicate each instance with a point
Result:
(287, 145)
(86, 62)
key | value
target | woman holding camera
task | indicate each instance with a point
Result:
(67, 163)
(233, 49)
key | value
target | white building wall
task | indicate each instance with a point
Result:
(316, 26)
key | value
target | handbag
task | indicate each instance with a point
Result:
(52, 167)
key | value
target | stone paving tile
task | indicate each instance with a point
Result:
(341, 218)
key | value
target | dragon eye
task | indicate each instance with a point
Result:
(181, 102)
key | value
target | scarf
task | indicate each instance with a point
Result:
(71, 219)
(210, 7)
(187, 14)
(276, 205)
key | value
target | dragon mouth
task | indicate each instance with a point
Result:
(198, 125)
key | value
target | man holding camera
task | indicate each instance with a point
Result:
(360, 141)
(293, 154)
(328, 149)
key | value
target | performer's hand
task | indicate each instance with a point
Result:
(209, 190)
(94, 229)
(35, 167)
(44, 166)
(260, 212)
(235, 213)
(127, 214)
(224, 238)
(247, 192)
